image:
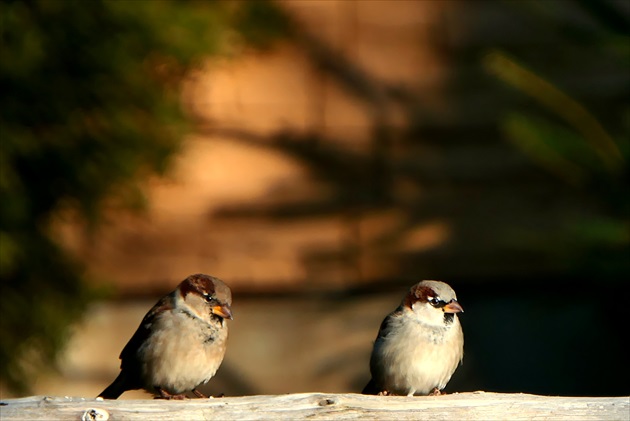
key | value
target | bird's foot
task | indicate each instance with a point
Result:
(384, 393)
(436, 392)
(165, 395)
(199, 394)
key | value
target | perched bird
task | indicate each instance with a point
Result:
(419, 345)
(180, 343)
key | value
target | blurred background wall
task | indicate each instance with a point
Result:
(336, 153)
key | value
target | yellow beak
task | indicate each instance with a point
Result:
(453, 307)
(223, 311)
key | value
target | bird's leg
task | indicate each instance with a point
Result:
(165, 395)
(436, 392)
(199, 394)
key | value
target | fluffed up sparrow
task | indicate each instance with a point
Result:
(180, 343)
(419, 345)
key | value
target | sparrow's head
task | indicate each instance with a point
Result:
(433, 303)
(207, 297)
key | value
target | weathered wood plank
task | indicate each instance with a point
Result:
(323, 406)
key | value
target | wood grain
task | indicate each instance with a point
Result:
(323, 406)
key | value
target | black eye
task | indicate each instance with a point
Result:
(434, 301)
(208, 297)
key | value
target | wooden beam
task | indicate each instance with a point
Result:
(319, 406)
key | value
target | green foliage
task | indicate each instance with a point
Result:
(90, 108)
(586, 147)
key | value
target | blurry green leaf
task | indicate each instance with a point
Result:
(559, 150)
(560, 104)
(602, 230)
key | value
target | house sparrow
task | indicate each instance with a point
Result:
(419, 345)
(180, 343)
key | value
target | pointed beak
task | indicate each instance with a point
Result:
(223, 311)
(453, 307)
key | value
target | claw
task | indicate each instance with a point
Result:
(165, 395)
(199, 394)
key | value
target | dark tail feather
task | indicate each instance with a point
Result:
(370, 388)
(114, 390)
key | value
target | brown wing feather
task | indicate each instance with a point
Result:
(386, 325)
(129, 377)
(128, 354)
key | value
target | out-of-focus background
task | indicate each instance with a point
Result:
(320, 156)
